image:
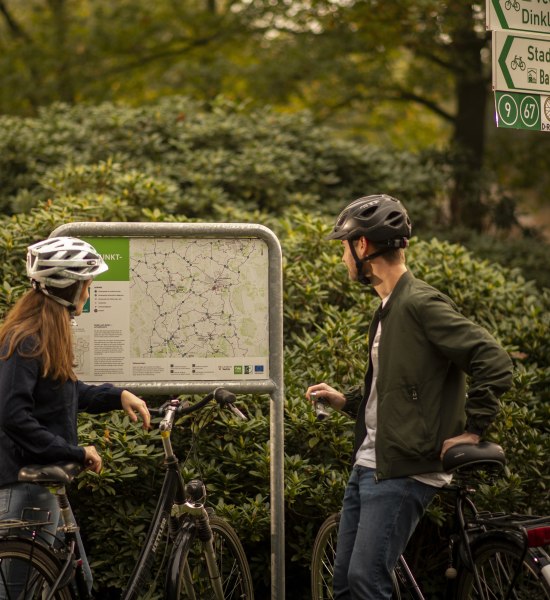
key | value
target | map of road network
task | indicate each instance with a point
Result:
(198, 298)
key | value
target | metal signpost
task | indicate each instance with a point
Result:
(186, 308)
(521, 62)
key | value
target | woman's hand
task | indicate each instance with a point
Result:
(92, 460)
(131, 403)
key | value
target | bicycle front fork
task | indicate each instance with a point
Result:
(195, 494)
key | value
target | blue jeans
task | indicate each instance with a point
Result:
(15, 501)
(378, 518)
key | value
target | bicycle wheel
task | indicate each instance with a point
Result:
(496, 561)
(25, 577)
(235, 574)
(322, 559)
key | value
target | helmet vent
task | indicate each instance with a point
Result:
(368, 212)
(395, 218)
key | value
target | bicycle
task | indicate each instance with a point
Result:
(206, 562)
(491, 555)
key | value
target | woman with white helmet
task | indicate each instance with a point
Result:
(40, 394)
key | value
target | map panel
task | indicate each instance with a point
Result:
(176, 309)
(198, 298)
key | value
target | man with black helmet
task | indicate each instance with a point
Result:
(412, 407)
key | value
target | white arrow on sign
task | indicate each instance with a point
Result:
(521, 63)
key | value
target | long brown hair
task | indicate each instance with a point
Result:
(48, 323)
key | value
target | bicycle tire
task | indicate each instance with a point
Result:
(322, 561)
(40, 571)
(231, 559)
(496, 561)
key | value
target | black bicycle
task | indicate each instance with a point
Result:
(206, 559)
(491, 555)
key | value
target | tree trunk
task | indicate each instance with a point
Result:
(472, 90)
(468, 144)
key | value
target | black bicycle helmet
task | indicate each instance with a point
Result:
(380, 218)
(477, 456)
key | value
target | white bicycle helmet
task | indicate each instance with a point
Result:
(59, 262)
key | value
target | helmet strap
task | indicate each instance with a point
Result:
(69, 304)
(360, 263)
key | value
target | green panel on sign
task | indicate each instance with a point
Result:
(518, 111)
(116, 253)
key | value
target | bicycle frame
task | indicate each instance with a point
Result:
(180, 512)
(172, 493)
(182, 517)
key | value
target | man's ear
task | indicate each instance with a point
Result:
(362, 246)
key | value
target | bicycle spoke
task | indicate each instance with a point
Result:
(231, 562)
(496, 563)
(26, 576)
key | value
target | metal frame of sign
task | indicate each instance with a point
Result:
(273, 385)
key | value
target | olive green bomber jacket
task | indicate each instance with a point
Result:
(426, 350)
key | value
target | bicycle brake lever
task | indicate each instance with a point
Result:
(237, 412)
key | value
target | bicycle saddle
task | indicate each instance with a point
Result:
(474, 456)
(60, 473)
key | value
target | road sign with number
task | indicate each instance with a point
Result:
(522, 111)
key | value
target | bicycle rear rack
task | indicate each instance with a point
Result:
(20, 524)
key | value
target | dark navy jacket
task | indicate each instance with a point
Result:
(38, 416)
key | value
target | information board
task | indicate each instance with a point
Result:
(176, 309)
(185, 308)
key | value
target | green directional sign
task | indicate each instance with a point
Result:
(522, 111)
(521, 63)
(519, 15)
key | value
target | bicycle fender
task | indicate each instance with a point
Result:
(507, 535)
(181, 545)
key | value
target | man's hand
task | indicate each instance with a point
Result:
(463, 438)
(92, 460)
(335, 398)
(131, 403)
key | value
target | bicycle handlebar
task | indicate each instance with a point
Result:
(176, 407)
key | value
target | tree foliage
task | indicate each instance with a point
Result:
(407, 74)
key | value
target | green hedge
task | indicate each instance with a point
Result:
(198, 157)
(326, 319)
(178, 156)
